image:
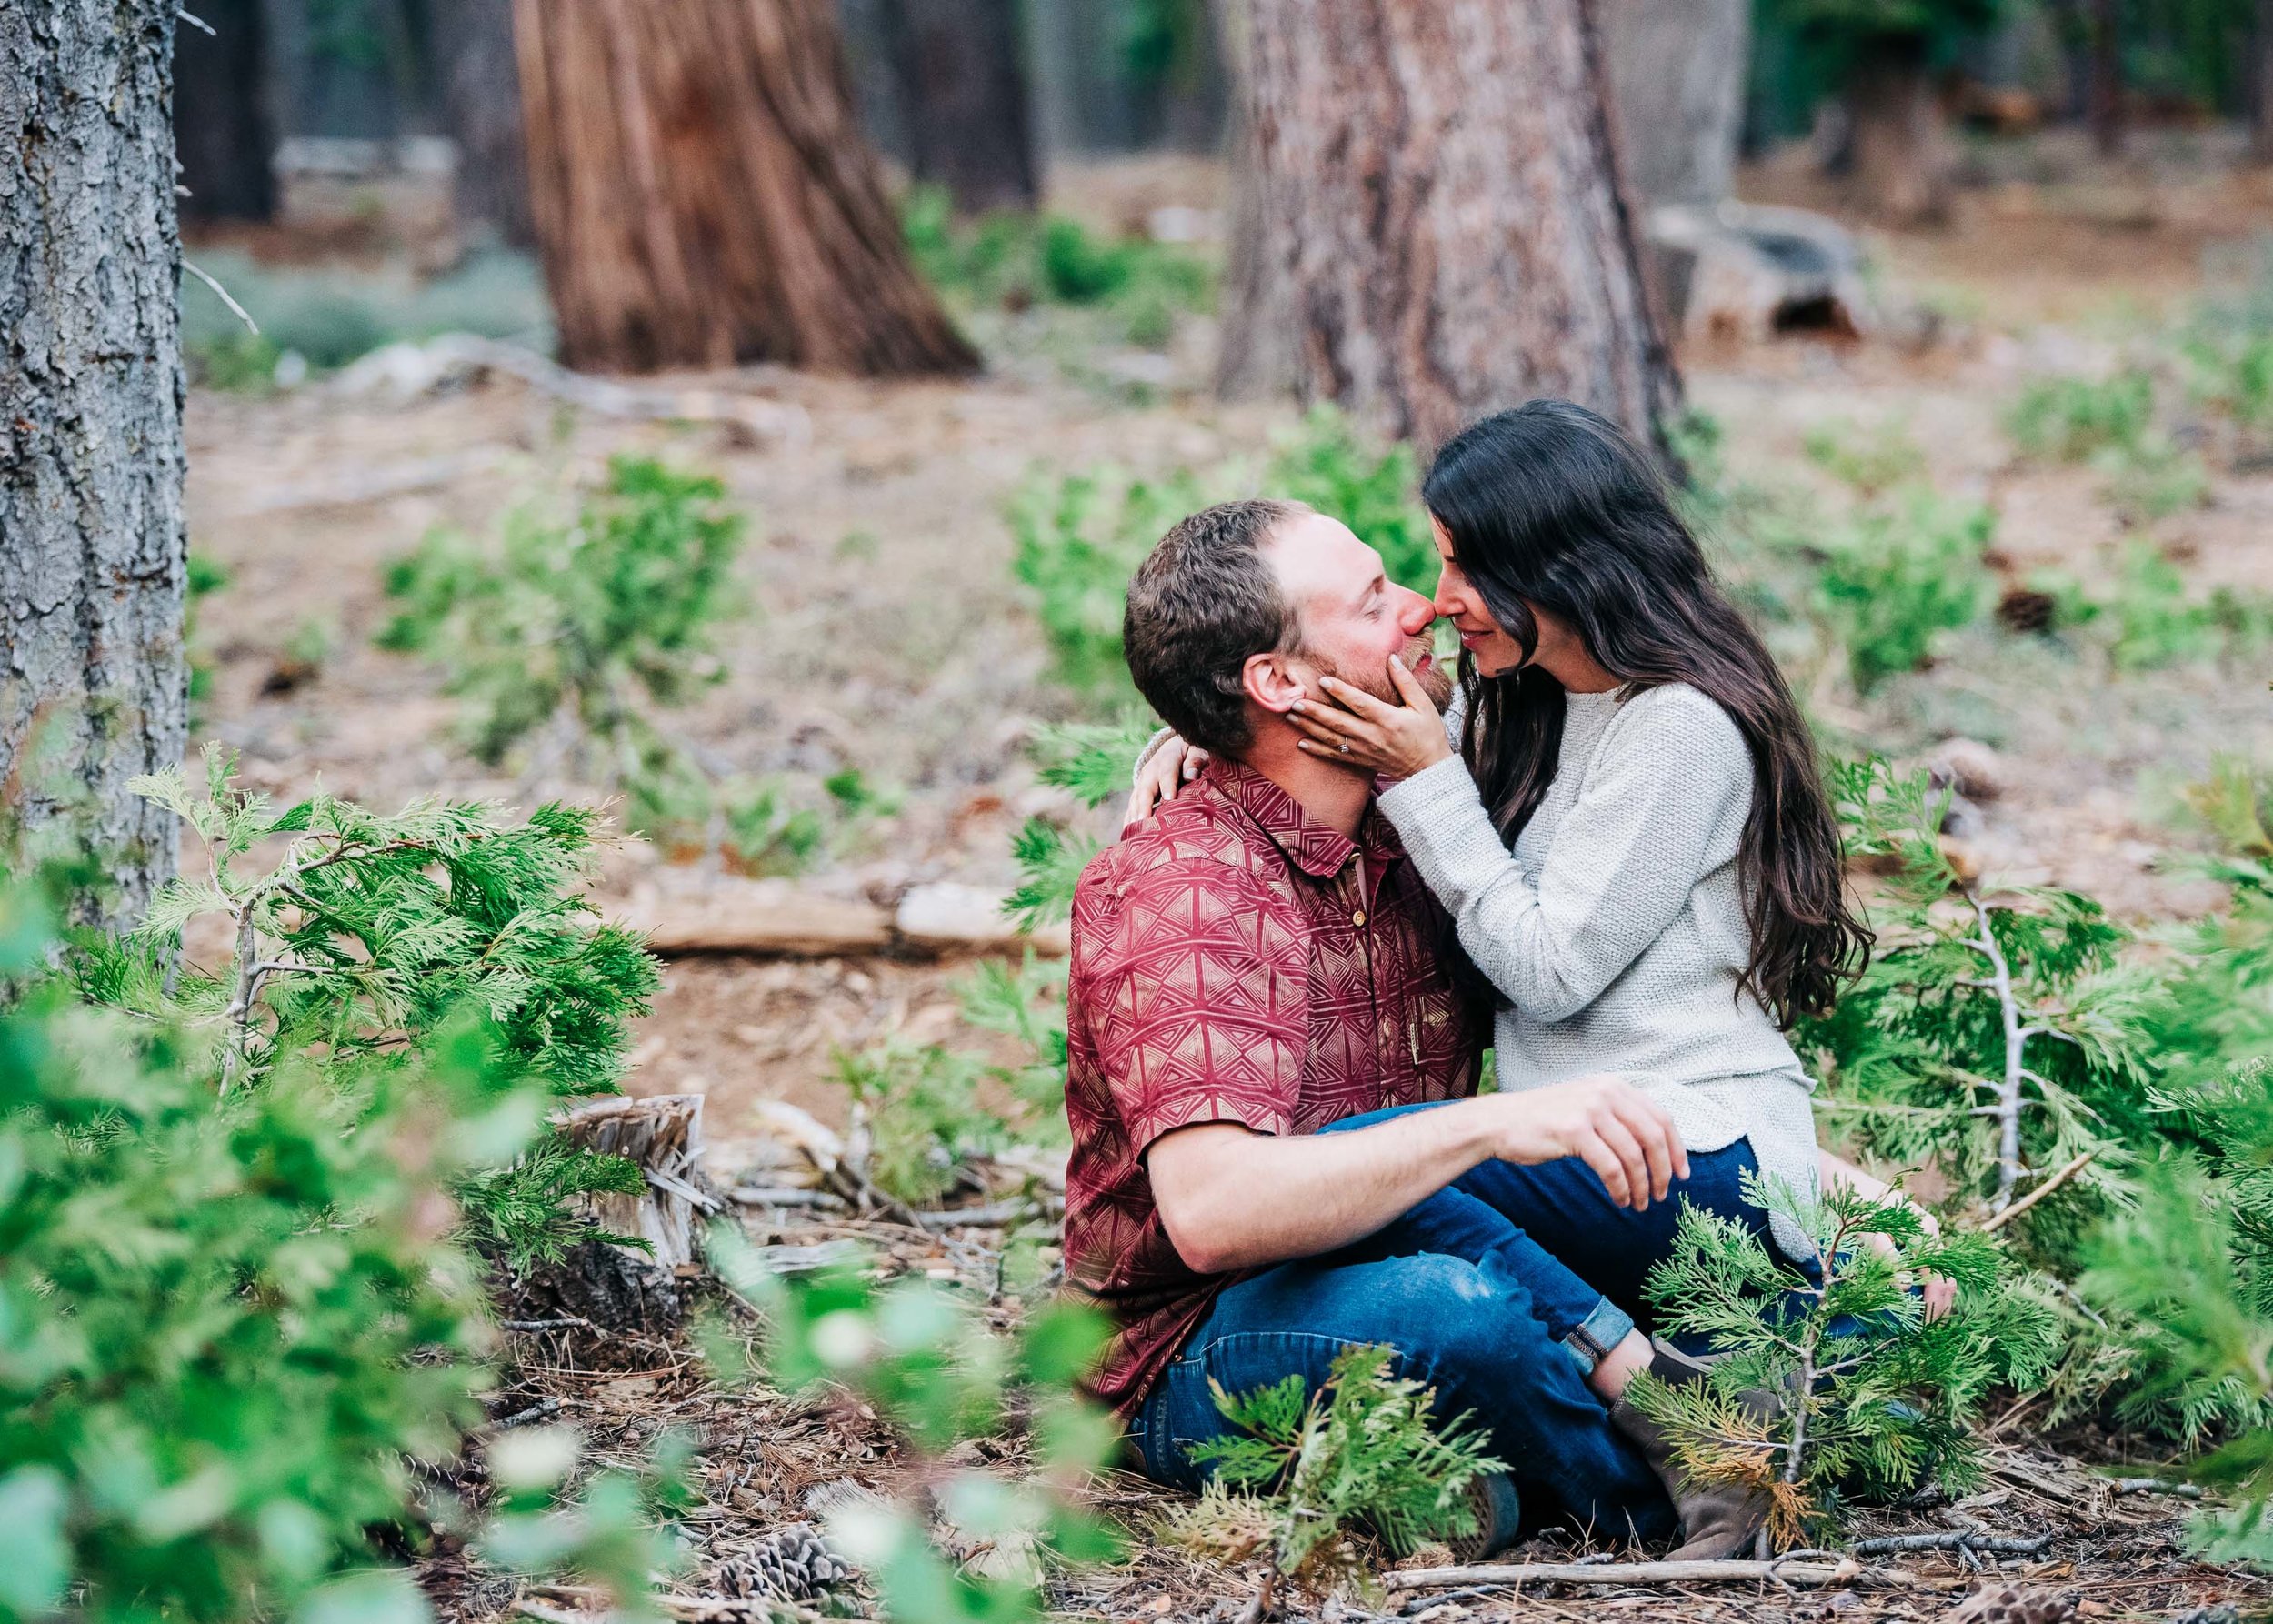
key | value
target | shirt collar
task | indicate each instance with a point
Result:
(1318, 851)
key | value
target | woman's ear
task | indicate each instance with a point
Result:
(1271, 681)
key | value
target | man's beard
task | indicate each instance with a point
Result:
(1435, 678)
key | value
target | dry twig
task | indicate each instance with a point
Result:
(1783, 1570)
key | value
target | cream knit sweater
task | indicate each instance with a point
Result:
(1615, 931)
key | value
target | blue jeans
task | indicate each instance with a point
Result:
(1501, 1291)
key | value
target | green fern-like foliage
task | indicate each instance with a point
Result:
(1365, 1448)
(1868, 1397)
(229, 1321)
(368, 935)
(1920, 1056)
(570, 643)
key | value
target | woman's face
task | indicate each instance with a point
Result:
(1494, 651)
(1561, 652)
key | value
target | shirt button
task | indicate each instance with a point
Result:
(1358, 918)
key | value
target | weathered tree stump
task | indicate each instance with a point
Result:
(623, 1287)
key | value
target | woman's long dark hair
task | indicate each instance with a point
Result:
(1552, 505)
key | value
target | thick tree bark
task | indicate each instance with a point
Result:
(2107, 76)
(1439, 228)
(1903, 163)
(481, 101)
(92, 685)
(961, 67)
(1677, 79)
(2261, 83)
(702, 196)
(222, 127)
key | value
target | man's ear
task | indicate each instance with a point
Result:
(1272, 682)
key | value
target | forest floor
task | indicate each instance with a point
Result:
(886, 634)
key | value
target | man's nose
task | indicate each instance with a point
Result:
(1415, 612)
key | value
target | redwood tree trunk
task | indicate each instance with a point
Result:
(93, 686)
(961, 67)
(702, 196)
(1439, 229)
(221, 124)
(1677, 79)
(481, 101)
(1903, 162)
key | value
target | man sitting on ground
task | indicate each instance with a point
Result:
(1257, 961)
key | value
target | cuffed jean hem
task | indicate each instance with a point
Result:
(1591, 1339)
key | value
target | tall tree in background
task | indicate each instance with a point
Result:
(222, 126)
(1436, 224)
(703, 195)
(962, 72)
(93, 559)
(1884, 57)
(2261, 82)
(481, 100)
(2105, 107)
(1678, 79)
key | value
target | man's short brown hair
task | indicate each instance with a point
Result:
(1201, 604)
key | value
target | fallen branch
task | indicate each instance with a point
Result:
(566, 1322)
(522, 1418)
(760, 419)
(1998, 1220)
(1846, 1571)
(999, 1214)
(699, 1609)
(784, 1194)
(1961, 1539)
(2184, 1491)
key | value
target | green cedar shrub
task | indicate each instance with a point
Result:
(1872, 1399)
(364, 936)
(2150, 620)
(1894, 578)
(229, 1318)
(2072, 419)
(2000, 1040)
(1016, 261)
(1302, 1468)
(570, 644)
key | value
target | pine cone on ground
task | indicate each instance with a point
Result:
(2012, 1604)
(793, 1563)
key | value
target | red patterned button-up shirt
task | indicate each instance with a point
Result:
(1234, 961)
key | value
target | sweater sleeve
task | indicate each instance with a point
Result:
(1648, 824)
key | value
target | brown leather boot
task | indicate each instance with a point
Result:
(1718, 1520)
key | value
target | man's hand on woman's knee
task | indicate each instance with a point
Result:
(1603, 1120)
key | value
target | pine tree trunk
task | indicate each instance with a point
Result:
(2107, 76)
(481, 100)
(1677, 79)
(1903, 162)
(222, 127)
(93, 687)
(961, 67)
(1439, 227)
(702, 196)
(2261, 83)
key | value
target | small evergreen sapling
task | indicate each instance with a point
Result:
(576, 639)
(1303, 1467)
(2002, 1039)
(365, 935)
(1864, 1394)
(229, 1321)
